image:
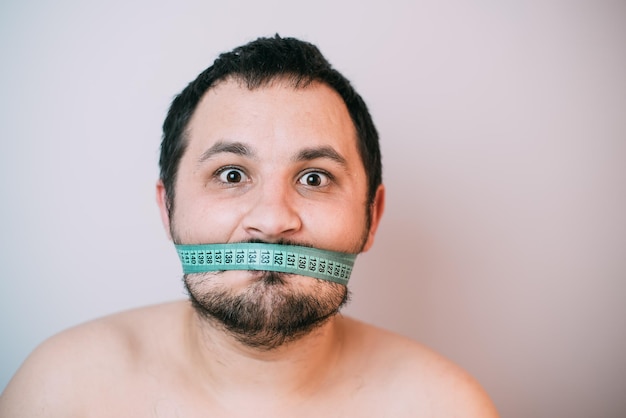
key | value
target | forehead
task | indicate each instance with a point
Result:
(275, 115)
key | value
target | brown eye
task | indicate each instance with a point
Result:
(232, 175)
(314, 179)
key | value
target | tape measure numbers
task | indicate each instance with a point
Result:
(321, 264)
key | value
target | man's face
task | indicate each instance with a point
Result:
(274, 164)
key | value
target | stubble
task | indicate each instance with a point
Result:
(270, 311)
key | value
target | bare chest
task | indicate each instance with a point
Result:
(170, 402)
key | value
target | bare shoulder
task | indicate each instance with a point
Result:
(415, 380)
(82, 361)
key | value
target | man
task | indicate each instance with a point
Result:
(270, 184)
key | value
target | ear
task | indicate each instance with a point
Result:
(377, 209)
(161, 198)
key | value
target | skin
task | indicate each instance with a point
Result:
(168, 361)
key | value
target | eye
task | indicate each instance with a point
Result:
(315, 179)
(231, 175)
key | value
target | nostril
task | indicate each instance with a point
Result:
(272, 218)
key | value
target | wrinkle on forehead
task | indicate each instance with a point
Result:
(235, 118)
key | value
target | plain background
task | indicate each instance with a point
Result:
(503, 129)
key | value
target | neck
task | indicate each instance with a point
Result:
(299, 367)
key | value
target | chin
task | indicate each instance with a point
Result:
(271, 309)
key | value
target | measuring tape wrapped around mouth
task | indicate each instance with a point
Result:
(321, 264)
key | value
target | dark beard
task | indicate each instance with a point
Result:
(267, 314)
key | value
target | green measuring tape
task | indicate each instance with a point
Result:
(321, 264)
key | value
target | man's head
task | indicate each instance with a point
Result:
(257, 64)
(270, 145)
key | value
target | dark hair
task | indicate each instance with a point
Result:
(257, 64)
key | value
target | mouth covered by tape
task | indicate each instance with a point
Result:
(306, 261)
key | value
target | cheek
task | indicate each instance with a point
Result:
(342, 225)
(205, 221)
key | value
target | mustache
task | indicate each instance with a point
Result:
(177, 241)
(279, 242)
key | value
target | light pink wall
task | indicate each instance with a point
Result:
(503, 127)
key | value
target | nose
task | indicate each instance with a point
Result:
(272, 215)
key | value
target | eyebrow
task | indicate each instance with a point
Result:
(219, 147)
(309, 154)
(239, 148)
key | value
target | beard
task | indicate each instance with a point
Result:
(270, 311)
